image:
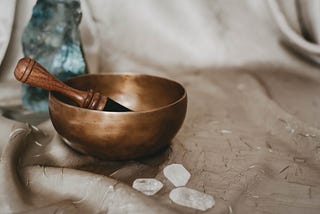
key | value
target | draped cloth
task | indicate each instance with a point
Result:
(251, 137)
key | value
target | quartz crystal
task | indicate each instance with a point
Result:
(192, 198)
(52, 38)
(148, 186)
(176, 174)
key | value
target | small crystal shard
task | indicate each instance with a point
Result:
(191, 198)
(225, 131)
(176, 174)
(148, 186)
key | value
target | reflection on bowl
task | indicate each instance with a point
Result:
(159, 107)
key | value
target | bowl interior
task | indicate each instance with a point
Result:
(137, 92)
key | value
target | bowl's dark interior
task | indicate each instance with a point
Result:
(137, 92)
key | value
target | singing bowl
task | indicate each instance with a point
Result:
(159, 107)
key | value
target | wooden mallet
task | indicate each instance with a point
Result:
(32, 73)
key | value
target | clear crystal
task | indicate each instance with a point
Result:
(148, 186)
(192, 198)
(177, 174)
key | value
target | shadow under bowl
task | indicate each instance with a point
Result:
(159, 107)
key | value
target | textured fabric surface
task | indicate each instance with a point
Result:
(251, 135)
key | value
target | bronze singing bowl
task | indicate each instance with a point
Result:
(159, 107)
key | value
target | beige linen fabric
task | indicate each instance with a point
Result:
(251, 135)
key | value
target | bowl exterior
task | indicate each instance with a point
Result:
(117, 135)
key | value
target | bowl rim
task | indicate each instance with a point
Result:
(184, 95)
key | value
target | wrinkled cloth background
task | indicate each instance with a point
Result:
(249, 67)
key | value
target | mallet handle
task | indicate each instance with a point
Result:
(32, 73)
